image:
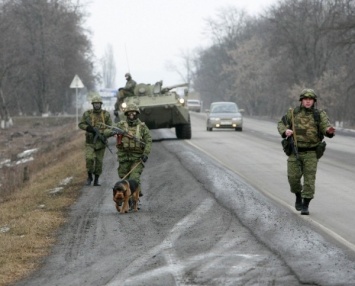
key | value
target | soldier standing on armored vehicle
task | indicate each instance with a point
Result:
(123, 92)
(132, 153)
(96, 142)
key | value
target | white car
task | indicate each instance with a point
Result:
(194, 105)
(224, 114)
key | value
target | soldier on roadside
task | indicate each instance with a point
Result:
(308, 126)
(131, 153)
(123, 92)
(95, 142)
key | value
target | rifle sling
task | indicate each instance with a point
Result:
(293, 128)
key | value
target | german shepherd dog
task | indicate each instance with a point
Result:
(123, 192)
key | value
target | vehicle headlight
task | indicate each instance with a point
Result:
(124, 105)
(181, 100)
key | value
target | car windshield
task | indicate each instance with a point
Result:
(224, 108)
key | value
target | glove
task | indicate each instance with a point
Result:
(115, 113)
(90, 129)
(144, 158)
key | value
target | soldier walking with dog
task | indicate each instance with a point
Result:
(95, 138)
(132, 150)
(306, 126)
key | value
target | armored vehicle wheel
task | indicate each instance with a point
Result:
(209, 128)
(183, 131)
(239, 129)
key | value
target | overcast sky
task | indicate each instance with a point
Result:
(146, 34)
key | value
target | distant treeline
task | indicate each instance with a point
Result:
(263, 62)
(43, 45)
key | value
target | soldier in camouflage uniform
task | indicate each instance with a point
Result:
(123, 92)
(310, 127)
(94, 146)
(132, 154)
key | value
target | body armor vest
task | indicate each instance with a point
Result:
(97, 118)
(306, 128)
(129, 144)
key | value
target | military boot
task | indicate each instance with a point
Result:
(298, 203)
(96, 181)
(89, 179)
(305, 205)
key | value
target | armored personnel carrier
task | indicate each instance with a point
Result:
(161, 107)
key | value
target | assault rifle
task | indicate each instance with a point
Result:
(120, 131)
(98, 135)
(295, 152)
(292, 142)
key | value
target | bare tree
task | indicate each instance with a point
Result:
(109, 68)
(186, 67)
(259, 61)
(211, 79)
(252, 76)
(313, 38)
(50, 47)
(10, 61)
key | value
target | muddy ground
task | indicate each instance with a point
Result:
(198, 224)
(27, 136)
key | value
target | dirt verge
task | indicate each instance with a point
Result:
(42, 167)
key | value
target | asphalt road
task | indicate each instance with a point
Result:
(256, 155)
(259, 159)
(216, 210)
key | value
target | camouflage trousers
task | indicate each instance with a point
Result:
(125, 167)
(306, 167)
(122, 94)
(94, 159)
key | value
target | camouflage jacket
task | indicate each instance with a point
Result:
(127, 147)
(308, 132)
(130, 85)
(95, 118)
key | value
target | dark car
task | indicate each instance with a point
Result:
(224, 114)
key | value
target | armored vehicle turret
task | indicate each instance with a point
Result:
(161, 107)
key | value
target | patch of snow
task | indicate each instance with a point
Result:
(5, 162)
(65, 181)
(25, 160)
(56, 190)
(27, 153)
(4, 229)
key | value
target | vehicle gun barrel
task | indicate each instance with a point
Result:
(168, 88)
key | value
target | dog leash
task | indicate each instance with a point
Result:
(135, 166)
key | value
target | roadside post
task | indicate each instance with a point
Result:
(76, 83)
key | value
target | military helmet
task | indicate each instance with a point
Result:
(128, 75)
(131, 107)
(96, 99)
(308, 93)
